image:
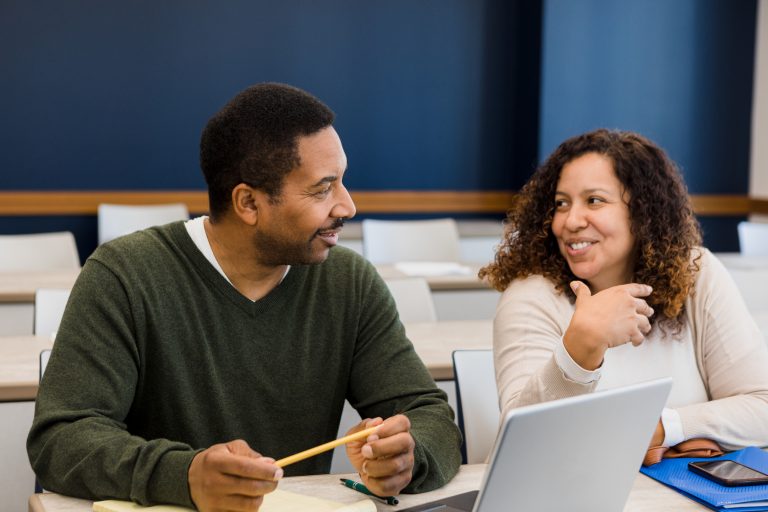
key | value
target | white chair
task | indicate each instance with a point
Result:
(753, 238)
(41, 251)
(413, 299)
(477, 403)
(392, 241)
(45, 354)
(49, 308)
(116, 220)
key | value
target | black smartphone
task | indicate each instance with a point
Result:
(728, 472)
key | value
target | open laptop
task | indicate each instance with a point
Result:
(577, 454)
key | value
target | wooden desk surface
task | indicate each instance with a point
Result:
(739, 261)
(646, 495)
(468, 281)
(20, 366)
(436, 341)
(21, 286)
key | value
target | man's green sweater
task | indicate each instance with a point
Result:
(158, 357)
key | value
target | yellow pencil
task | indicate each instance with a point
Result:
(325, 447)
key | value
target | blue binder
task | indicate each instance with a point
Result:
(752, 498)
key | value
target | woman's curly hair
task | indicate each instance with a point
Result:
(662, 222)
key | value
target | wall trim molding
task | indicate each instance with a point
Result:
(61, 202)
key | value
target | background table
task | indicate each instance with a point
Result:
(17, 297)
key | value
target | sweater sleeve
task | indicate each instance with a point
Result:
(733, 360)
(530, 321)
(79, 444)
(388, 378)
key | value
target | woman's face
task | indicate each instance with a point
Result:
(592, 224)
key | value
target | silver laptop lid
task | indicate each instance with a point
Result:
(576, 454)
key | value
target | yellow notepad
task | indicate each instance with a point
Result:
(277, 501)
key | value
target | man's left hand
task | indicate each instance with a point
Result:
(384, 460)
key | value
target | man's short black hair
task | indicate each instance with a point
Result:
(253, 140)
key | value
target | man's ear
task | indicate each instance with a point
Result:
(245, 203)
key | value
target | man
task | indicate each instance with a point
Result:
(193, 355)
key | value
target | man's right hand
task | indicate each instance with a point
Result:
(231, 476)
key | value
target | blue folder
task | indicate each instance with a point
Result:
(675, 474)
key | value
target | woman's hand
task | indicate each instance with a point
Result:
(610, 318)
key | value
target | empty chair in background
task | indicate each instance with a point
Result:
(392, 241)
(116, 220)
(413, 299)
(753, 238)
(49, 308)
(40, 251)
(477, 403)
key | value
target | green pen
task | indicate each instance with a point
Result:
(389, 500)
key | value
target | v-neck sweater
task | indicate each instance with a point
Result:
(158, 357)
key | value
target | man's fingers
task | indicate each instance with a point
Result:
(391, 465)
(238, 460)
(390, 484)
(240, 447)
(246, 487)
(394, 425)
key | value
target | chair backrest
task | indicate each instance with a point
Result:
(392, 241)
(45, 354)
(477, 403)
(413, 299)
(753, 238)
(116, 220)
(40, 251)
(49, 308)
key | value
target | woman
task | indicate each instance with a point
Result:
(605, 284)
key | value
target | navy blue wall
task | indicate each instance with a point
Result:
(430, 94)
(113, 95)
(679, 72)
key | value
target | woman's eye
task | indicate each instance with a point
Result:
(560, 203)
(595, 200)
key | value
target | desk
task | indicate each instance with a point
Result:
(20, 366)
(435, 342)
(738, 260)
(17, 296)
(646, 495)
(468, 281)
(19, 371)
(21, 286)
(761, 318)
(456, 296)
